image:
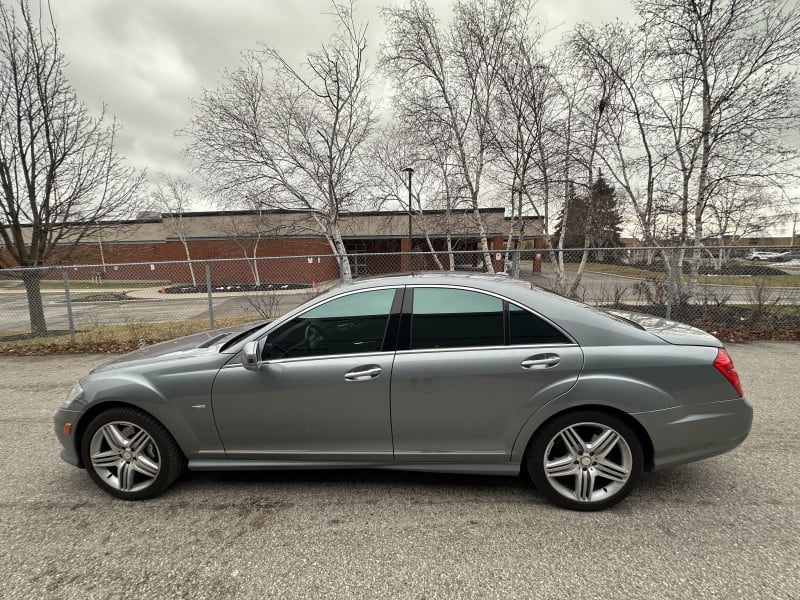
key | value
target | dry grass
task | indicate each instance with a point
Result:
(112, 338)
(736, 280)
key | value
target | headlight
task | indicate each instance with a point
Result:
(73, 394)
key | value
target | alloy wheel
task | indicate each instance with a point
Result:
(124, 456)
(588, 462)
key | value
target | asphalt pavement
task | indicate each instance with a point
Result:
(726, 527)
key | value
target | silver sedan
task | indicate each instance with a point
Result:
(435, 372)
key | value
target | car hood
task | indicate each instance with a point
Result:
(670, 331)
(191, 345)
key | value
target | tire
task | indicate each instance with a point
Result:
(130, 455)
(593, 460)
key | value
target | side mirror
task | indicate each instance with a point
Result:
(251, 356)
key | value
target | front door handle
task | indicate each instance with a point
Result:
(541, 361)
(363, 373)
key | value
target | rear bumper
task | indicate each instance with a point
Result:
(685, 434)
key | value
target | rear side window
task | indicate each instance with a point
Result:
(527, 328)
(450, 318)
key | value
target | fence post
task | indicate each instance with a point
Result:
(70, 321)
(210, 299)
(672, 277)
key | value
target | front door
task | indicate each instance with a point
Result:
(322, 389)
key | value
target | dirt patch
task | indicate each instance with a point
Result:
(101, 297)
(234, 287)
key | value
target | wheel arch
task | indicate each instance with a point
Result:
(521, 449)
(100, 407)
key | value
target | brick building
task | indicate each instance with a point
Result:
(370, 239)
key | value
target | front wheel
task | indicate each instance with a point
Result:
(585, 460)
(129, 454)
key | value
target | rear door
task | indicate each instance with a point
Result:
(470, 369)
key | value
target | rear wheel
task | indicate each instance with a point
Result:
(129, 454)
(585, 460)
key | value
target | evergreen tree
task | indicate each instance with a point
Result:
(593, 220)
(603, 218)
(575, 224)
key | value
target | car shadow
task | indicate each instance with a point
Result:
(355, 477)
(696, 484)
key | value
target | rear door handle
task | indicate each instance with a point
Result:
(363, 373)
(541, 361)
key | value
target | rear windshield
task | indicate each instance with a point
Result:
(600, 311)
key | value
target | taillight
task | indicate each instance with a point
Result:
(724, 365)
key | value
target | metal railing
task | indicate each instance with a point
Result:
(718, 289)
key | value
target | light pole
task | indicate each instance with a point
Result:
(410, 173)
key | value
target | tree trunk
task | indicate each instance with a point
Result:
(487, 256)
(336, 242)
(33, 290)
(189, 260)
(451, 257)
(433, 252)
(576, 282)
(700, 201)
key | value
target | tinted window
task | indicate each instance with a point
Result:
(352, 324)
(527, 328)
(447, 318)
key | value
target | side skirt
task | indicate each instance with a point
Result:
(508, 469)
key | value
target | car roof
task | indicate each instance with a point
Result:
(588, 326)
(444, 277)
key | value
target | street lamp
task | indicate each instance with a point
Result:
(410, 173)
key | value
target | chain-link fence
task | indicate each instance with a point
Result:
(753, 291)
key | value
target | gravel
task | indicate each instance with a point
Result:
(726, 527)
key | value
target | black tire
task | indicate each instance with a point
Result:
(586, 470)
(140, 463)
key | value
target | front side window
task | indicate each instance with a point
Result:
(451, 318)
(355, 323)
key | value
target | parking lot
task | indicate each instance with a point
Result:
(726, 527)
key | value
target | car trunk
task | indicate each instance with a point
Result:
(670, 331)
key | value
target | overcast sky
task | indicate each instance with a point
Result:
(145, 60)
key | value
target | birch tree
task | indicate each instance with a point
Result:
(292, 138)
(172, 196)
(741, 54)
(448, 78)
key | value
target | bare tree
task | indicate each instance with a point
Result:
(737, 211)
(645, 141)
(740, 53)
(247, 231)
(435, 183)
(629, 148)
(292, 138)
(449, 79)
(172, 196)
(59, 171)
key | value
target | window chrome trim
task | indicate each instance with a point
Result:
(276, 361)
(501, 297)
(483, 348)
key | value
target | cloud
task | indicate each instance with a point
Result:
(145, 60)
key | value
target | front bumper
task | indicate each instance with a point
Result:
(685, 434)
(69, 447)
